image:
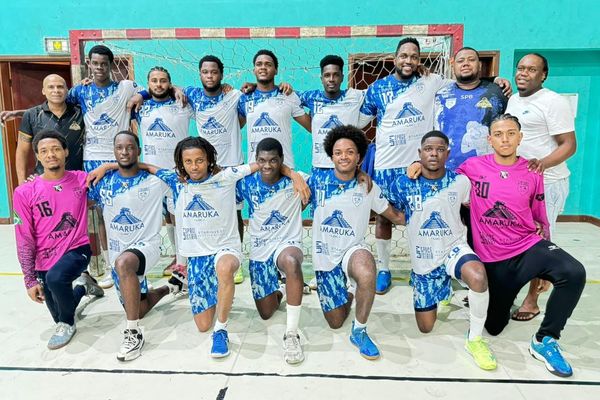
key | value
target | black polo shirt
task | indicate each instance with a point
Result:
(70, 125)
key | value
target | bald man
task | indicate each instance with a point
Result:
(54, 114)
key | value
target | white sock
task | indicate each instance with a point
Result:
(358, 325)
(293, 317)
(133, 324)
(352, 289)
(384, 248)
(106, 259)
(282, 289)
(478, 305)
(171, 234)
(220, 325)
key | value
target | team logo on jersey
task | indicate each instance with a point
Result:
(420, 87)
(357, 198)
(289, 193)
(104, 122)
(63, 228)
(408, 116)
(57, 188)
(198, 208)
(450, 102)
(539, 197)
(143, 193)
(159, 129)
(213, 127)
(275, 221)
(331, 123)
(452, 197)
(336, 225)
(265, 124)
(523, 187)
(499, 215)
(125, 222)
(78, 192)
(483, 103)
(75, 126)
(435, 226)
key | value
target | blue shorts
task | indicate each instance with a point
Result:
(332, 287)
(90, 165)
(385, 177)
(202, 280)
(263, 274)
(143, 285)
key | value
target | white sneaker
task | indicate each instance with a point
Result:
(313, 283)
(131, 347)
(107, 281)
(292, 350)
(62, 335)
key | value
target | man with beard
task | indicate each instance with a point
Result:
(162, 123)
(131, 202)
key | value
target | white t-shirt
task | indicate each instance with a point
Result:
(341, 216)
(162, 124)
(269, 114)
(542, 115)
(205, 211)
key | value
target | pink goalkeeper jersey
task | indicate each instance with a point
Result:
(50, 220)
(505, 202)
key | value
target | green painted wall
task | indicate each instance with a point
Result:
(508, 26)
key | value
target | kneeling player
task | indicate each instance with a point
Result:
(438, 243)
(342, 208)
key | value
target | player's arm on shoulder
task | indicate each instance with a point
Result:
(8, 115)
(95, 176)
(394, 215)
(299, 183)
(305, 120)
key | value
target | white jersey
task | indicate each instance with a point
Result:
(105, 114)
(328, 113)
(217, 121)
(341, 216)
(275, 215)
(205, 211)
(132, 210)
(269, 114)
(162, 124)
(542, 115)
(405, 112)
(432, 209)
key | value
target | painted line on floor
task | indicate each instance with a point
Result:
(304, 375)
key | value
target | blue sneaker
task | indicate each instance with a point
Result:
(548, 351)
(384, 282)
(220, 346)
(360, 338)
(62, 335)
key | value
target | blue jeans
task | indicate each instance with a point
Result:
(61, 297)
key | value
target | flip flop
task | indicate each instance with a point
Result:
(527, 315)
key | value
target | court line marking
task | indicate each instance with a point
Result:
(304, 375)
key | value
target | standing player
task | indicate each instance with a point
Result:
(276, 242)
(162, 123)
(508, 216)
(342, 208)
(131, 202)
(268, 111)
(52, 242)
(438, 243)
(549, 138)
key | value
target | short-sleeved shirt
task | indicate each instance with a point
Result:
(70, 125)
(132, 209)
(328, 113)
(542, 115)
(205, 211)
(105, 114)
(217, 121)
(465, 116)
(432, 209)
(275, 214)
(269, 114)
(341, 216)
(162, 124)
(404, 111)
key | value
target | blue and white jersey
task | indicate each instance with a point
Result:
(432, 209)
(465, 116)
(217, 121)
(162, 124)
(104, 113)
(404, 111)
(328, 113)
(269, 114)
(341, 216)
(275, 215)
(132, 210)
(205, 211)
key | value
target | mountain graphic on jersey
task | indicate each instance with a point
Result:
(408, 115)
(63, 228)
(125, 217)
(198, 203)
(332, 122)
(274, 222)
(213, 127)
(435, 226)
(336, 225)
(499, 211)
(104, 120)
(264, 120)
(159, 129)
